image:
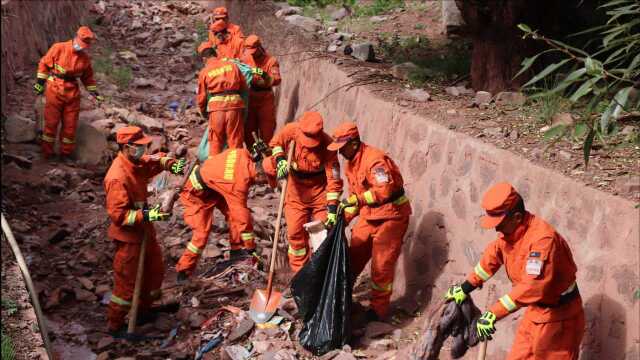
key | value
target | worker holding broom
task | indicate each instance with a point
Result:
(540, 266)
(377, 196)
(221, 182)
(126, 195)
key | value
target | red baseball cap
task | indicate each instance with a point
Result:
(218, 26)
(344, 133)
(220, 13)
(497, 202)
(84, 37)
(310, 125)
(132, 135)
(252, 44)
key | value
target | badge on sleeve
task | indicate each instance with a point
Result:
(534, 265)
(380, 175)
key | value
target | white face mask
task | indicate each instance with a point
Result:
(139, 151)
(77, 47)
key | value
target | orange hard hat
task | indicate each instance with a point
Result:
(497, 202)
(132, 135)
(252, 44)
(220, 13)
(84, 36)
(218, 26)
(204, 46)
(310, 125)
(344, 133)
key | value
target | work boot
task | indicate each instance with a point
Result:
(239, 255)
(182, 278)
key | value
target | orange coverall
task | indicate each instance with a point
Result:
(220, 83)
(221, 182)
(126, 195)
(550, 328)
(233, 30)
(230, 47)
(384, 218)
(62, 66)
(313, 183)
(262, 109)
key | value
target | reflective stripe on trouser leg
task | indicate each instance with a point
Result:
(69, 125)
(296, 215)
(386, 240)
(248, 240)
(189, 259)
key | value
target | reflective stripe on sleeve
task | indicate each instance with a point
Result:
(569, 289)
(401, 200)
(368, 197)
(120, 301)
(42, 75)
(246, 236)
(381, 287)
(193, 248)
(131, 217)
(333, 196)
(194, 180)
(508, 303)
(68, 141)
(163, 161)
(225, 98)
(294, 252)
(481, 273)
(230, 164)
(351, 210)
(92, 88)
(59, 68)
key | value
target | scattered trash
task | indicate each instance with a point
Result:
(170, 338)
(210, 345)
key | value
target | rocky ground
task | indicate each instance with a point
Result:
(434, 87)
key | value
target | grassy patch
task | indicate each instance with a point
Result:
(376, 7)
(9, 306)
(8, 352)
(120, 75)
(548, 105)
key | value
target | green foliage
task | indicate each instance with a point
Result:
(120, 75)
(320, 3)
(9, 306)
(376, 7)
(604, 83)
(547, 102)
(8, 352)
(202, 31)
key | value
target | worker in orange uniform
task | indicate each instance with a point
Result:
(262, 112)
(377, 195)
(220, 83)
(60, 68)
(221, 182)
(227, 45)
(540, 266)
(221, 13)
(314, 183)
(126, 195)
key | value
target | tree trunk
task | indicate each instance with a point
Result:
(498, 48)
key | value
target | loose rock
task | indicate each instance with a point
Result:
(418, 95)
(402, 71)
(363, 52)
(19, 129)
(306, 23)
(510, 98)
(340, 14)
(291, 10)
(482, 97)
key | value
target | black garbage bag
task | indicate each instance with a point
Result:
(322, 291)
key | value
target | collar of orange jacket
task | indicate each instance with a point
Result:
(520, 230)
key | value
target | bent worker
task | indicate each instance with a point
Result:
(227, 45)
(314, 183)
(60, 68)
(221, 13)
(262, 112)
(221, 182)
(540, 266)
(377, 196)
(131, 221)
(220, 84)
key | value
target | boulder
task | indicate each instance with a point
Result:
(148, 123)
(289, 10)
(402, 71)
(482, 97)
(378, 19)
(363, 51)
(104, 125)
(418, 95)
(92, 115)
(510, 98)
(91, 144)
(19, 129)
(306, 23)
(451, 17)
(340, 14)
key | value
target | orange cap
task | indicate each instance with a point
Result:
(497, 202)
(132, 135)
(220, 13)
(252, 44)
(205, 46)
(344, 133)
(84, 36)
(310, 125)
(218, 26)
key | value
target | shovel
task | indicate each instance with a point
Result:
(265, 302)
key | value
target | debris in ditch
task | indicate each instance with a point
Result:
(243, 328)
(172, 335)
(59, 236)
(210, 345)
